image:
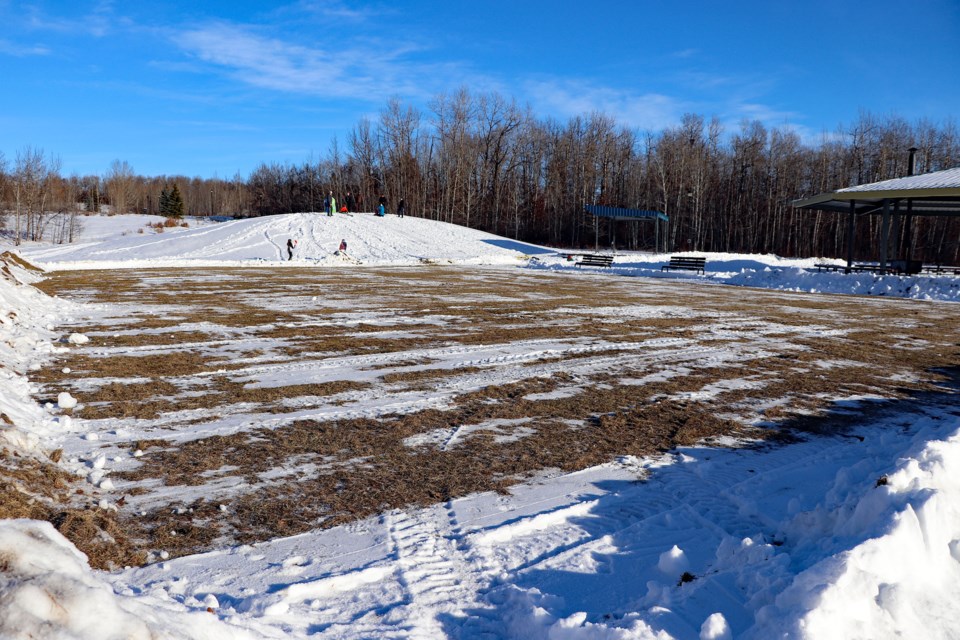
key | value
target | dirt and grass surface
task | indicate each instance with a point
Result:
(230, 406)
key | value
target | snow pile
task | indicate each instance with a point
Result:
(944, 288)
(897, 584)
(371, 241)
(876, 556)
(48, 591)
(27, 319)
(773, 272)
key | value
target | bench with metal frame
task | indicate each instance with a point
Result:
(870, 268)
(903, 267)
(937, 269)
(830, 267)
(690, 263)
(594, 260)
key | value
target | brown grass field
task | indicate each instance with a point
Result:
(269, 402)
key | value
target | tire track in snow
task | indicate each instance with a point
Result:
(433, 570)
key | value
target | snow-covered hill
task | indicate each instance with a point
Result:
(371, 241)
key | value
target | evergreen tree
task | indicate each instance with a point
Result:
(171, 202)
(164, 203)
(176, 203)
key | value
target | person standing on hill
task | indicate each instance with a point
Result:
(401, 207)
(326, 202)
(350, 202)
(291, 245)
(332, 208)
(383, 203)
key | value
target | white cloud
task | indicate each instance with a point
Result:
(334, 9)
(96, 23)
(372, 71)
(736, 112)
(568, 98)
(22, 51)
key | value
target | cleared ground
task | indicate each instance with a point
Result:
(268, 402)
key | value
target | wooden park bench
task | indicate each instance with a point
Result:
(685, 262)
(830, 267)
(594, 260)
(939, 269)
(869, 267)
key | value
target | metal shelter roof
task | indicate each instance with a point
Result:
(624, 214)
(931, 194)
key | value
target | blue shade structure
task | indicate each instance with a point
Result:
(618, 214)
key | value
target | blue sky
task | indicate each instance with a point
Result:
(216, 87)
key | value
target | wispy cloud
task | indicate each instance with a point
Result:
(22, 51)
(762, 112)
(568, 98)
(98, 23)
(655, 111)
(373, 71)
(334, 9)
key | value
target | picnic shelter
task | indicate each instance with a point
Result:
(896, 201)
(617, 214)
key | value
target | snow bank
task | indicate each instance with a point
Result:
(47, 590)
(772, 272)
(904, 581)
(27, 321)
(943, 288)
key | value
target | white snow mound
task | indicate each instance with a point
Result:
(371, 241)
(48, 591)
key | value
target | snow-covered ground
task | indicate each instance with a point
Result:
(852, 536)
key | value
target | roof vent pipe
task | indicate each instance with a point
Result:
(912, 162)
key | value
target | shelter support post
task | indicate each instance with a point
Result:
(596, 234)
(908, 230)
(851, 223)
(897, 219)
(885, 235)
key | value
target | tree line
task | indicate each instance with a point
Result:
(483, 161)
(38, 203)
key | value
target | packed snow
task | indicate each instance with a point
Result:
(848, 536)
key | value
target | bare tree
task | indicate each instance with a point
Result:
(120, 182)
(33, 175)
